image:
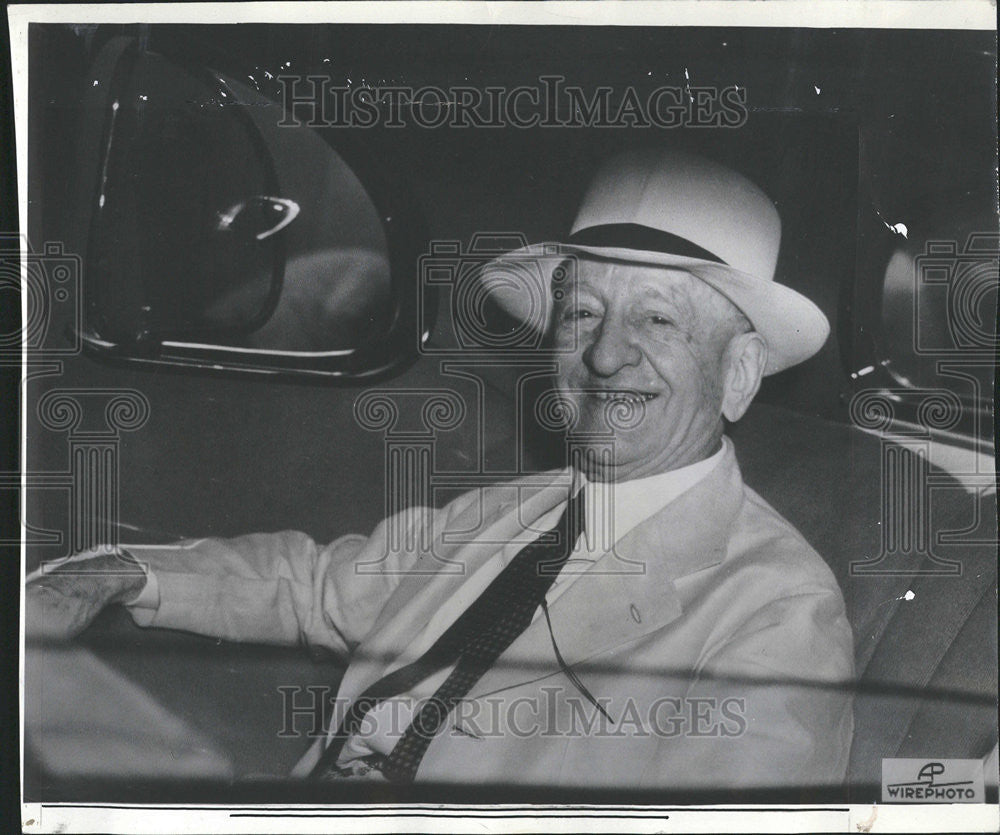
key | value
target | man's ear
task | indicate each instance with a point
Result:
(745, 360)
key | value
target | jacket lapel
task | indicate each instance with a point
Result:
(460, 547)
(629, 591)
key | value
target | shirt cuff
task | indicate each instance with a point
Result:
(149, 596)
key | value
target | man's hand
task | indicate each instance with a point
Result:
(62, 603)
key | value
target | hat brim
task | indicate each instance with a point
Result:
(793, 327)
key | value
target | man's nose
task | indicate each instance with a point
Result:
(611, 350)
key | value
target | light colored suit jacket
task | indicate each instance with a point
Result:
(712, 634)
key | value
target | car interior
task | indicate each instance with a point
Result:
(243, 299)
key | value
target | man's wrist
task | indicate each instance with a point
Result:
(113, 576)
(132, 577)
(131, 588)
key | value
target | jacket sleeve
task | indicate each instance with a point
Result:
(281, 588)
(777, 702)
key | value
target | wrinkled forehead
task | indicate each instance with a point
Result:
(625, 281)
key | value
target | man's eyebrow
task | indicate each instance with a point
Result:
(666, 294)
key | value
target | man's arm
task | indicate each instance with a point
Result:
(279, 588)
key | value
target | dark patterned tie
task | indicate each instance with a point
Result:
(475, 641)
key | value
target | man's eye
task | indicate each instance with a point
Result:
(656, 319)
(578, 313)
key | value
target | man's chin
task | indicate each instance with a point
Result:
(604, 463)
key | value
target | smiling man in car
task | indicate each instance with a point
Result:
(639, 619)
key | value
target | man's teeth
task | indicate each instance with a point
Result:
(629, 396)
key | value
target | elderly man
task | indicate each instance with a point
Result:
(641, 619)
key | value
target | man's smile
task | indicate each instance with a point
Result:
(628, 395)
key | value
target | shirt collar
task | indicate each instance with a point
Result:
(615, 508)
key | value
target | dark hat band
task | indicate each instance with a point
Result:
(637, 236)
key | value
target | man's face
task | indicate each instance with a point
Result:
(650, 339)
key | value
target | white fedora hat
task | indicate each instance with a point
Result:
(674, 209)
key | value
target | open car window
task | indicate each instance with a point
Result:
(222, 233)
